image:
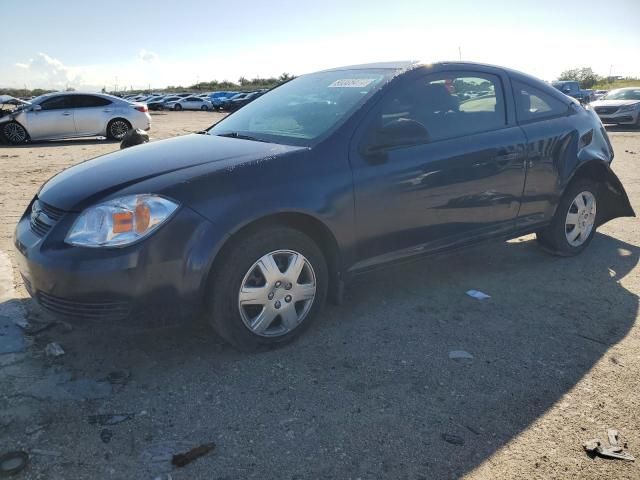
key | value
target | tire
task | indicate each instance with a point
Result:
(249, 328)
(558, 238)
(204, 108)
(118, 128)
(14, 133)
(177, 107)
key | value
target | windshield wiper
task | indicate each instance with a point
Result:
(241, 136)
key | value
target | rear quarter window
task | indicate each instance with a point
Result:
(534, 104)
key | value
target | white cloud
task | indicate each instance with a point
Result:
(50, 71)
(147, 56)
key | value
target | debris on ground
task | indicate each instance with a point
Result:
(182, 459)
(33, 429)
(134, 137)
(33, 330)
(22, 323)
(53, 349)
(45, 453)
(477, 294)
(13, 462)
(118, 377)
(105, 435)
(460, 355)
(596, 447)
(110, 419)
(452, 439)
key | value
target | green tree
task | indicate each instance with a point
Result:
(586, 76)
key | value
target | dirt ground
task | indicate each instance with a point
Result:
(368, 392)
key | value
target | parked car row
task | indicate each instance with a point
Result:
(227, 101)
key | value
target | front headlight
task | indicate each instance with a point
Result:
(628, 108)
(120, 222)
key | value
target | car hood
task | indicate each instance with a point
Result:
(613, 103)
(91, 181)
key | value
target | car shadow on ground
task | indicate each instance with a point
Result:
(370, 391)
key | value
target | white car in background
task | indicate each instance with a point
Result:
(620, 106)
(190, 103)
(71, 114)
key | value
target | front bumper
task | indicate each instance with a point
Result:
(621, 118)
(160, 276)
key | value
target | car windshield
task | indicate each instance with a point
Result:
(306, 108)
(623, 94)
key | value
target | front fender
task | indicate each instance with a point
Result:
(615, 201)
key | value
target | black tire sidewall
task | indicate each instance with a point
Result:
(223, 290)
(554, 237)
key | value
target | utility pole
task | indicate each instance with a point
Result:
(460, 53)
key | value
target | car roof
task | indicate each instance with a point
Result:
(378, 65)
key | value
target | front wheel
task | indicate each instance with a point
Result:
(177, 107)
(14, 133)
(575, 221)
(204, 108)
(270, 286)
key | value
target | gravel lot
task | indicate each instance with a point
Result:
(369, 392)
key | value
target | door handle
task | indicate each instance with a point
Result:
(107, 110)
(66, 114)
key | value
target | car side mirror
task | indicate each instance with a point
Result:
(36, 108)
(398, 133)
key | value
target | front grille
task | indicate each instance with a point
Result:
(606, 110)
(43, 217)
(97, 310)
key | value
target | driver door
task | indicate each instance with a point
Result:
(461, 181)
(54, 120)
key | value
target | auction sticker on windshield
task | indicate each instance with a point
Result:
(352, 83)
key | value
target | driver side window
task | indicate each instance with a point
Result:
(60, 102)
(446, 105)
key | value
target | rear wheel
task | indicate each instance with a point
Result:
(574, 223)
(204, 108)
(118, 128)
(14, 133)
(270, 286)
(177, 106)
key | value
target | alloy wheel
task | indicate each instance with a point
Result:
(277, 293)
(118, 129)
(581, 217)
(14, 132)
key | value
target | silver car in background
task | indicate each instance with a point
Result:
(190, 103)
(70, 114)
(621, 106)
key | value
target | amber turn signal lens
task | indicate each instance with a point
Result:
(143, 217)
(122, 222)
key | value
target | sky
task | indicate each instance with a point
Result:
(88, 45)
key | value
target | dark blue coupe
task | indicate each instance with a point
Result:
(258, 220)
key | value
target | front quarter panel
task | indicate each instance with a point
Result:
(314, 182)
